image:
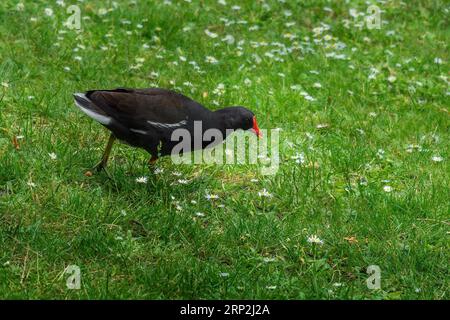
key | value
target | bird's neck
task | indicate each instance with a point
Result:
(221, 121)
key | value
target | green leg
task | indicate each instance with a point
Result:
(102, 164)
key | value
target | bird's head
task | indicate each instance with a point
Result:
(238, 117)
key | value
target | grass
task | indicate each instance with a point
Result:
(146, 241)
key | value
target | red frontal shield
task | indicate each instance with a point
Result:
(256, 128)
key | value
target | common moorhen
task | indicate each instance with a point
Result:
(146, 118)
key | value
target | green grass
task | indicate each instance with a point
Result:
(132, 241)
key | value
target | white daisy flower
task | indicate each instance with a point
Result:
(322, 125)
(31, 184)
(390, 33)
(353, 12)
(211, 59)
(48, 12)
(437, 158)
(154, 75)
(142, 179)
(387, 189)
(313, 239)
(210, 34)
(363, 181)
(220, 89)
(52, 155)
(380, 153)
(264, 193)
(299, 158)
(211, 196)
(392, 79)
(228, 39)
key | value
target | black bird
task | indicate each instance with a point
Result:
(146, 118)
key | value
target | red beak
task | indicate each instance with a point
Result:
(256, 128)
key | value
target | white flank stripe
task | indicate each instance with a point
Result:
(138, 131)
(167, 125)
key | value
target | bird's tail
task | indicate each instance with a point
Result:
(89, 108)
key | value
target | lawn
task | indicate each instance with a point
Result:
(363, 177)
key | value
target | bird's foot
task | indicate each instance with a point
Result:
(152, 162)
(99, 166)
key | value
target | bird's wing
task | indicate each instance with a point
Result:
(141, 109)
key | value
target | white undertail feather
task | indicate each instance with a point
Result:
(91, 113)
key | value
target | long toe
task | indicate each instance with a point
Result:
(99, 166)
